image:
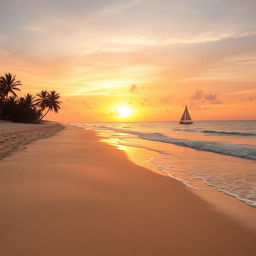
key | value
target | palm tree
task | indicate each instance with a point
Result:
(28, 101)
(8, 85)
(7, 107)
(2, 91)
(49, 100)
(12, 100)
(53, 101)
(42, 101)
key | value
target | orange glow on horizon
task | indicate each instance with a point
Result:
(125, 61)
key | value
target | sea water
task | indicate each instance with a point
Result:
(219, 155)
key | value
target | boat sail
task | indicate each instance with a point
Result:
(186, 118)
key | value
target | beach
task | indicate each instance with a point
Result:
(70, 194)
(15, 136)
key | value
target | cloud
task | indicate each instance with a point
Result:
(245, 61)
(212, 98)
(209, 37)
(200, 97)
(206, 38)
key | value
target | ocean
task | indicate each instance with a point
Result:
(212, 155)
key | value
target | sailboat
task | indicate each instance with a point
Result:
(186, 118)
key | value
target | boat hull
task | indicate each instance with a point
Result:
(185, 122)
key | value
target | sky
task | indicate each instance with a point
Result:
(152, 57)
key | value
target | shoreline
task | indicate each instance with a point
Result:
(71, 194)
(15, 136)
(220, 201)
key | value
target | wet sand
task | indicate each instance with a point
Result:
(70, 194)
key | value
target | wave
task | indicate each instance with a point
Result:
(237, 150)
(230, 133)
(239, 186)
(218, 132)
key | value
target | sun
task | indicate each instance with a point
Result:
(124, 111)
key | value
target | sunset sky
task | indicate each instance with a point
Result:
(149, 56)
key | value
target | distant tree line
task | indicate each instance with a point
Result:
(27, 109)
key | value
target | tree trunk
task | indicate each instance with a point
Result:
(42, 116)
